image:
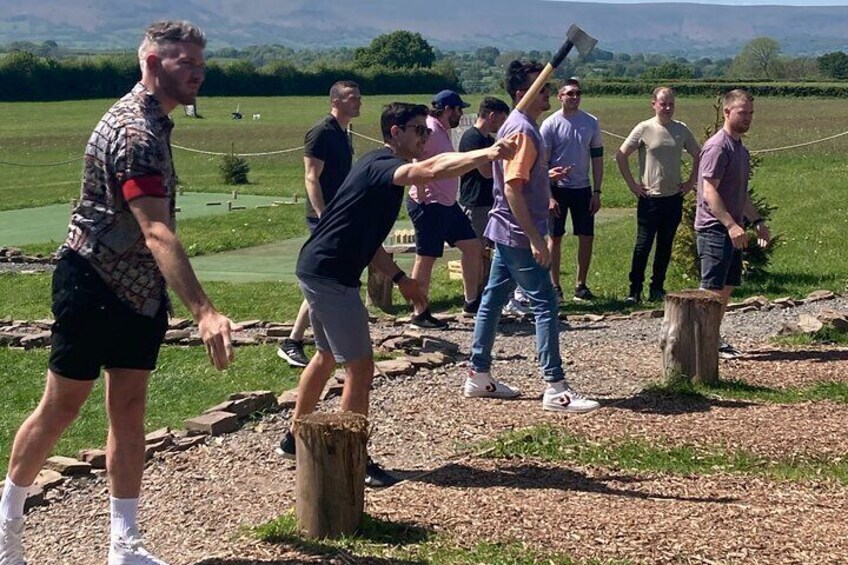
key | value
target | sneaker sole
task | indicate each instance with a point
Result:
(467, 394)
(423, 327)
(285, 454)
(568, 409)
(283, 355)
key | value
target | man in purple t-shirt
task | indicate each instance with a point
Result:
(518, 227)
(724, 204)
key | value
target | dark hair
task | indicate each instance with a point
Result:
(437, 111)
(570, 82)
(491, 104)
(336, 89)
(518, 75)
(399, 114)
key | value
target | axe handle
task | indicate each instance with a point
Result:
(543, 77)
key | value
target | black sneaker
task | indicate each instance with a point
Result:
(727, 351)
(471, 308)
(632, 299)
(583, 294)
(292, 351)
(377, 477)
(287, 446)
(656, 295)
(559, 295)
(426, 321)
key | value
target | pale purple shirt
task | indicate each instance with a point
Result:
(725, 159)
(438, 191)
(569, 139)
(503, 228)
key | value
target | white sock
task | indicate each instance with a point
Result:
(557, 387)
(124, 514)
(14, 498)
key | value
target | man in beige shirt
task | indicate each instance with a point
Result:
(660, 142)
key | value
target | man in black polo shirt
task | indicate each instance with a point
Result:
(348, 238)
(327, 158)
(475, 187)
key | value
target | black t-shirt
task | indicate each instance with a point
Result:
(355, 222)
(328, 142)
(474, 188)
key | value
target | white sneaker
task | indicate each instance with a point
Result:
(516, 308)
(482, 385)
(563, 399)
(11, 550)
(129, 550)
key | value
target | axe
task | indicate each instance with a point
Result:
(575, 37)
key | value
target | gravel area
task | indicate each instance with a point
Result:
(196, 505)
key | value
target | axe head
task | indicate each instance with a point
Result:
(582, 40)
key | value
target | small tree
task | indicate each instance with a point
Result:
(233, 169)
(685, 249)
(396, 50)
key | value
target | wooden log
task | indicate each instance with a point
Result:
(379, 290)
(690, 336)
(330, 476)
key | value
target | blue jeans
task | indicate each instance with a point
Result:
(511, 265)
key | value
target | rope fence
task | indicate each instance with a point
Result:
(379, 141)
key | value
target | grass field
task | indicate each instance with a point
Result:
(807, 185)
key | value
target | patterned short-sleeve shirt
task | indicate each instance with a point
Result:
(131, 141)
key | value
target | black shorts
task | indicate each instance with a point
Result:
(721, 263)
(94, 329)
(576, 201)
(437, 224)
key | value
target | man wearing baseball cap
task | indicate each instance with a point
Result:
(437, 217)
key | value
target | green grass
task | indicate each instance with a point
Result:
(828, 335)
(550, 443)
(183, 386)
(380, 541)
(739, 390)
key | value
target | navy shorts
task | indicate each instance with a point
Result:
(93, 329)
(437, 224)
(721, 263)
(575, 201)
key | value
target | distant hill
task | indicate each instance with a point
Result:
(689, 30)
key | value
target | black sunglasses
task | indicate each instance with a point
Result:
(420, 129)
(573, 94)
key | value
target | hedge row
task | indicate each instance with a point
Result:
(24, 77)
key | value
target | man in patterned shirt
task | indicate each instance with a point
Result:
(109, 290)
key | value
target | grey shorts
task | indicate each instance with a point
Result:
(339, 319)
(479, 216)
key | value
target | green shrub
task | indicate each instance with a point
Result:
(233, 169)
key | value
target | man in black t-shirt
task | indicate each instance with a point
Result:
(327, 158)
(348, 238)
(475, 188)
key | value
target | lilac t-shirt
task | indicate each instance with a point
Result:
(442, 191)
(569, 140)
(726, 159)
(503, 228)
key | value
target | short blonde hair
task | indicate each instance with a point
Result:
(659, 90)
(165, 32)
(736, 95)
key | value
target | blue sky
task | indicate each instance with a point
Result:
(732, 2)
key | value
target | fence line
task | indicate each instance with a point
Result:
(293, 149)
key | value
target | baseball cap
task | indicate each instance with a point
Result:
(447, 98)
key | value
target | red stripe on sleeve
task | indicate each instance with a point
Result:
(150, 185)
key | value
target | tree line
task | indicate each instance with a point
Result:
(404, 62)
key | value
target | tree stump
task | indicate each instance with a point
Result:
(330, 476)
(379, 289)
(690, 336)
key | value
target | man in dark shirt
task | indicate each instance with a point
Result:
(327, 158)
(348, 238)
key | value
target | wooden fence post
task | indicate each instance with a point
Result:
(690, 336)
(330, 475)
